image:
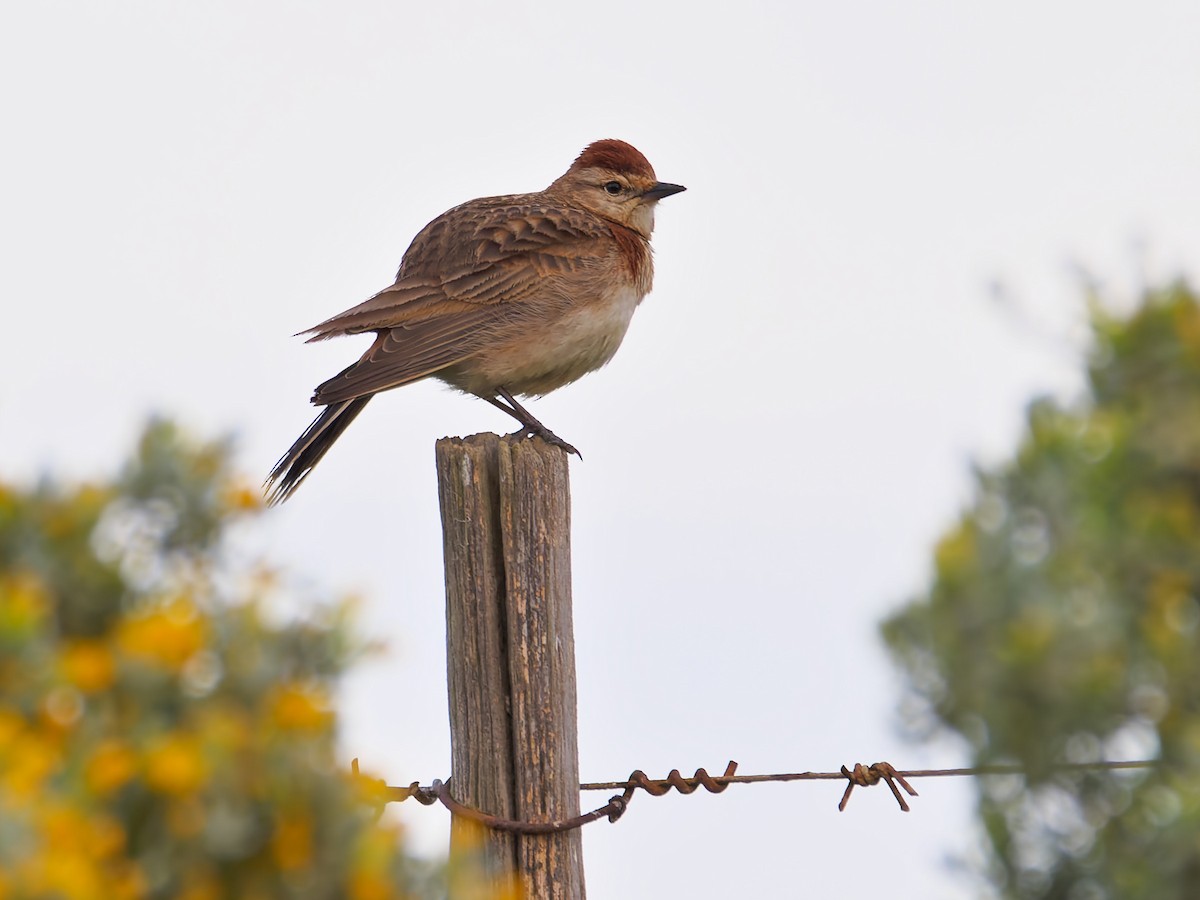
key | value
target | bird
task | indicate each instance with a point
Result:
(500, 297)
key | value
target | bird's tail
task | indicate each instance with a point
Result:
(303, 455)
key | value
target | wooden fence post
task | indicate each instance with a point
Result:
(506, 513)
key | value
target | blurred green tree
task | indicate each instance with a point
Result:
(1062, 624)
(160, 735)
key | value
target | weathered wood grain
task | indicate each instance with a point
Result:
(506, 515)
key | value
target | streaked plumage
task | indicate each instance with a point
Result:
(501, 296)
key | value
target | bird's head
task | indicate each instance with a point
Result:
(613, 180)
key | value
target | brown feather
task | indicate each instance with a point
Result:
(616, 156)
(294, 466)
(409, 353)
(635, 251)
(491, 250)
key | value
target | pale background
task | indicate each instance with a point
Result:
(773, 452)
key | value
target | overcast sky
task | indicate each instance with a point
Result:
(872, 271)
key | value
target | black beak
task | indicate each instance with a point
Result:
(662, 189)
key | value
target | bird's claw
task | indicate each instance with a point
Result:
(546, 435)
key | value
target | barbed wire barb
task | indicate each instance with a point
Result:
(866, 776)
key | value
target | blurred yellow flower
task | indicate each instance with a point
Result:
(297, 707)
(24, 602)
(370, 886)
(127, 882)
(371, 877)
(168, 636)
(63, 828)
(371, 791)
(106, 837)
(153, 741)
(12, 723)
(292, 842)
(175, 765)
(110, 766)
(74, 876)
(74, 856)
(241, 498)
(89, 665)
(67, 875)
(33, 756)
(469, 873)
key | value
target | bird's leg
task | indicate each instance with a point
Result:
(530, 426)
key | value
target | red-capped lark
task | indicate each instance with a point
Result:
(500, 297)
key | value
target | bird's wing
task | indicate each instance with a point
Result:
(497, 250)
(408, 353)
(468, 271)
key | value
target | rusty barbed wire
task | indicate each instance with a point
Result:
(639, 779)
(866, 776)
(612, 810)
(858, 776)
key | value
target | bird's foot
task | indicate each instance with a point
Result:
(546, 435)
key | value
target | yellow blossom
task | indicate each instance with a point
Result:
(107, 837)
(241, 498)
(127, 882)
(175, 765)
(24, 602)
(32, 758)
(168, 636)
(89, 665)
(370, 886)
(12, 723)
(63, 828)
(371, 791)
(67, 829)
(296, 707)
(292, 842)
(110, 766)
(62, 874)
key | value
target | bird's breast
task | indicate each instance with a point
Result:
(546, 355)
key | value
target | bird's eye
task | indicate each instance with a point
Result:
(613, 187)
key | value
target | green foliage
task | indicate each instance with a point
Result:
(160, 736)
(1063, 623)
